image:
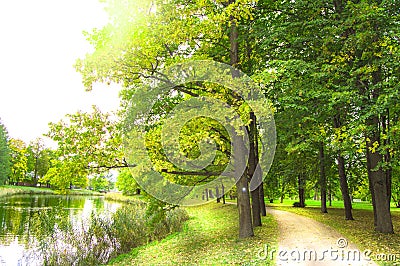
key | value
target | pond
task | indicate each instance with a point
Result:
(18, 221)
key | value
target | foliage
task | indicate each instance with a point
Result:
(18, 161)
(330, 68)
(65, 174)
(39, 158)
(88, 143)
(10, 190)
(5, 169)
(100, 183)
(101, 238)
(139, 43)
(126, 183)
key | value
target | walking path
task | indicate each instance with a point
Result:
(303, 241)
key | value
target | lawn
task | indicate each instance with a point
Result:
(364, 205)
(19, 190)
(360, 231)
(210, 237)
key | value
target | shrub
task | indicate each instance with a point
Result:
(298, 205)
(102, 238)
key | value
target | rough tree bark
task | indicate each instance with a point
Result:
(243, 200)
(378, 179)
(344, 188)
(242, 187)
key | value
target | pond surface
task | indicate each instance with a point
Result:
(17, 221)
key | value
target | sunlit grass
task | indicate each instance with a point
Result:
(364, 205)
(21, 190)
(14, 190)
(210, 237)
(119, 197)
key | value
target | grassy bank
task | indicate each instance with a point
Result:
(360, 231)
(20, 190)
(118, 197)
(210, 237)
(102, 237)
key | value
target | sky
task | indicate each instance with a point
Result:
(39, 43)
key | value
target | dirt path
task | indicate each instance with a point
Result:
(303, 241)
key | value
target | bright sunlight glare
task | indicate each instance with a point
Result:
(40, 41)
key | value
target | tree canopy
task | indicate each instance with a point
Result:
(5, 169)
(330, 70)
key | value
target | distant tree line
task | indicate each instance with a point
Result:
(22, 164)
(36, 165)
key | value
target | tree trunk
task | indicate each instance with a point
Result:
(322, 176)
(242, 187)
(383, 222)
(257, 157)
(282, 192)
(223, 194)
(35, 174)
(387, 157)
(233, 40)
(378, 181)
(243, 202)
(255, 176)
(255, 207)
(344, 187)
(262, 201)
(302, 200)
(370, 185)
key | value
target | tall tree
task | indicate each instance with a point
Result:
(132, 50)
(4, 155)
(88, 143)
(37, 160)
(127, 183)
(18, 161)
(349, 49)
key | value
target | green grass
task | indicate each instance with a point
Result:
(210, 237)
(335, 204)
(360, 231)
(21, 190)
(115, 196)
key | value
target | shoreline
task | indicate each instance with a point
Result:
(8, 190)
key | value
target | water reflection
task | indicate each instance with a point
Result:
(18, 224)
